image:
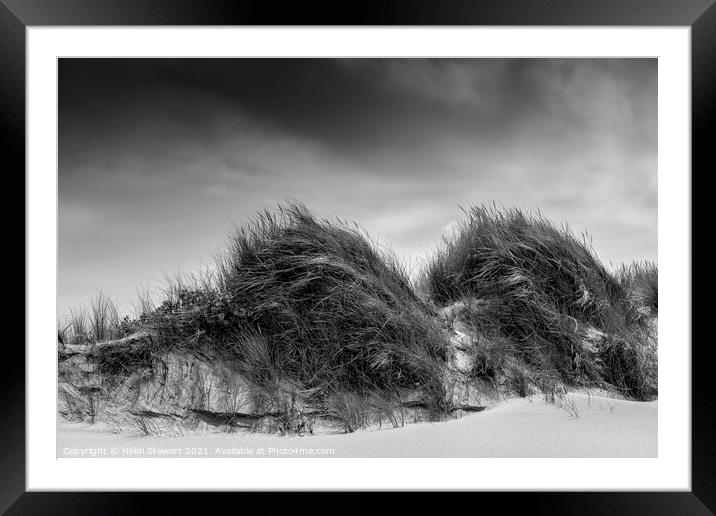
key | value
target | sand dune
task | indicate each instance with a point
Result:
(583, 426)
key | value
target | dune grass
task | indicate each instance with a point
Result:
(544, 294)
(323, 322)
(302, 307)
(99, 322)
(641, 280)
(334, 309)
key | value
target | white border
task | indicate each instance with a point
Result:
(671, 470)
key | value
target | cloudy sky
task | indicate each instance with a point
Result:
(158, 158)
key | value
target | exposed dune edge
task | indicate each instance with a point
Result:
(186, 393)
(583, 425)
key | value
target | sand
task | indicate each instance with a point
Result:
(587, 425)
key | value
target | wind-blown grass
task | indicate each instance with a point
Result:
(333, 307)
(100, 322)
(323, 323)
(641, 280)
(544, 293)
(313, 304)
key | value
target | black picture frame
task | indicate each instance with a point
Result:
(17, 15)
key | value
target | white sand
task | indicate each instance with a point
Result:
(603, 427)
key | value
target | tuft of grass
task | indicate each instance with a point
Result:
(87, 326)
(641, 281)
(349, 409)
(76, 331)
(541, 289)
(630, 364)
(500, 252)
(144, 305)
(103, 320)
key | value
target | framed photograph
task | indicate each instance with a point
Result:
(417, 250)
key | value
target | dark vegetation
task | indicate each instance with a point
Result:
(321, 322)
(641, 281)
(545, 305)
(311, 313)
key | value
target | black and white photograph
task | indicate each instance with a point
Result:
(357, 257)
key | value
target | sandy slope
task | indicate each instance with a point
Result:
(604, 427)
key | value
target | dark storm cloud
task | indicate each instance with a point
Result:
(156, 156)
(315, 99)
(349, 105)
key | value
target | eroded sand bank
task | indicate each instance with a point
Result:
(583, 425)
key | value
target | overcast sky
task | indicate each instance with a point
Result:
(157, 158)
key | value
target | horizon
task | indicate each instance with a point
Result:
(159, 157)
